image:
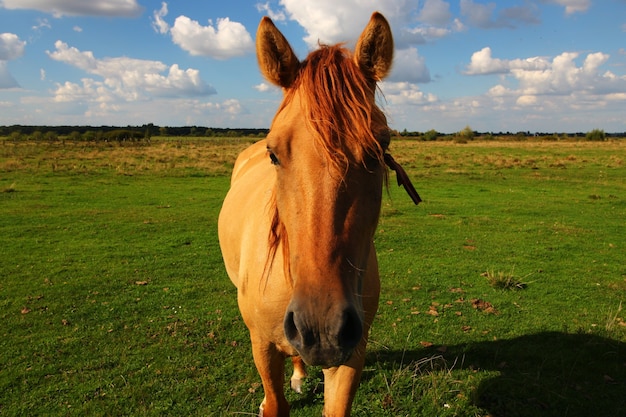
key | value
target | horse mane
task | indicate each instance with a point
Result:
(341, 114)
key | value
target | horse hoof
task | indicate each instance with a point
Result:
(296, 385)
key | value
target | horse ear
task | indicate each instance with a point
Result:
(277, 61)
(374, 49)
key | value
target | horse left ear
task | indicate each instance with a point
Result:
(374, 49)
(277, 61)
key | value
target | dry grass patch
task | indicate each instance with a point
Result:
(504, 280)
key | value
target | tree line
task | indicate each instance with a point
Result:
(120, 134)
(144, 133)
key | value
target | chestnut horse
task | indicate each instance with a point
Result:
(296, 228)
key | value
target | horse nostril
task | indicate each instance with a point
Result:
(351, 330)
(291, 330)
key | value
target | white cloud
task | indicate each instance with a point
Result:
(541, 76)
(125, 78)
(573, 6)
(435, 12)
(11, 46)
(568, 88)
(42, 23)
(332, 21)
(409, 66)
(58, 8)
(225, 40)
(482, 63)
(277, 16)
(526, 100)
(399, 94)
(263, 87)
(158, 23)
(77, 29)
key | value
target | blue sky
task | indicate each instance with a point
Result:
(519, 65)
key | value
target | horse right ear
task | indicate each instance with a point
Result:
(277, 61)
(374, 49)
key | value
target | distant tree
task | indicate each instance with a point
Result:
(75, 136)
(465, 135)
(431, 135)
(89, 136)
(596, 135)
(163, 131)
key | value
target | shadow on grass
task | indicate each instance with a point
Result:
(539, 375)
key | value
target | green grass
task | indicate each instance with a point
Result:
(114, 299)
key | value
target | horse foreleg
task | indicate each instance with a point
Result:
(299, 373)
(270, 364)
(340, 386)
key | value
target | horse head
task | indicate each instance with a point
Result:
(327, 143)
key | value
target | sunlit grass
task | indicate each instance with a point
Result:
(115, 300)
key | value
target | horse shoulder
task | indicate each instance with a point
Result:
(243, 224)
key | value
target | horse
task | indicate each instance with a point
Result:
(297, 225)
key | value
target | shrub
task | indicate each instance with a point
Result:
(431, 135)
(596, 135)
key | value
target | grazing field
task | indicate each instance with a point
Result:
(502, 293)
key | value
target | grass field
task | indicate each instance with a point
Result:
(502, 293)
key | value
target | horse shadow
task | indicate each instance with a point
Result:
(547, 374)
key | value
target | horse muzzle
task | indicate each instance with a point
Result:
(323, 339)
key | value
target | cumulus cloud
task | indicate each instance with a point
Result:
(482, 63)
(225, 39)
(561, 76)
(58, 8)
(405, 93)
(435, 12)
(125, 78)
(11, 47)
(484, 16)
(331, 21)
(409, 66)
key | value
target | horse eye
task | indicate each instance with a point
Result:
(273, 157)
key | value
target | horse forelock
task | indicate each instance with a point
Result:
(339, 106)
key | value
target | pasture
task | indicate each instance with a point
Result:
(502, 293)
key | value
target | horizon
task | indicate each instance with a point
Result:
(256, 130)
